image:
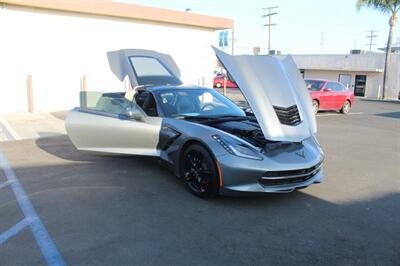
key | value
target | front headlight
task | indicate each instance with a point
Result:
(238, 149)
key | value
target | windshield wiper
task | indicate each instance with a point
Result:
(212, 117)
(194, 117)
(233, 116)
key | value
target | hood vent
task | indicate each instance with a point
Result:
(288, 115)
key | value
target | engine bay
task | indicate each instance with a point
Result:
(248, 130)
(246, 127)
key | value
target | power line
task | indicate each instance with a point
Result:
(371, 37)
(269, 23)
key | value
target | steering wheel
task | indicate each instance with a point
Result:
(207, 105)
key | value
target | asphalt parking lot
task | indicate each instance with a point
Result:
(101, 210)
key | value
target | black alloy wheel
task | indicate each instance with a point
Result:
(199, 171)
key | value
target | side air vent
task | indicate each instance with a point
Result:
(288, 115)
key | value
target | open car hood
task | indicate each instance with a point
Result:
(121, 65)
(276, 94)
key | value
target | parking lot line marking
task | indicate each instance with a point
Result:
(42, 237)
(355, 113)
(5, 184)
(13, 230)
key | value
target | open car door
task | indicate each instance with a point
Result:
(112, 122)
(144, 67)
(109, 126)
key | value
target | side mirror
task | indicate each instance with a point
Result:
(135, 114)
(327, 90)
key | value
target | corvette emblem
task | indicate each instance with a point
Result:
(300, 154)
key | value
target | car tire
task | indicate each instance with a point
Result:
(315, 105)
(199, 171)
(345, 108)
(218, 85)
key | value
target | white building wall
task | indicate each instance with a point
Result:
(394, 82)
(373, 85)
(320, 74)
(370, 62)
(58, 48)
(371, 65)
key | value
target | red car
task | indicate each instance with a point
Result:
(330, 95)
(219, 82)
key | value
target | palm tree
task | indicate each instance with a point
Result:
(389, 7)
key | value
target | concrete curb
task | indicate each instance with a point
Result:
(379, 100)
(8, 131)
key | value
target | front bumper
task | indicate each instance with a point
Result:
(272, 175)
(257, 187)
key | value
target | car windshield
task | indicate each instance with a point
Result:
(314, 85)
(196, 103)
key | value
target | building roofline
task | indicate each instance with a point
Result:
(129, 11)
(372, 53)
(370, 70)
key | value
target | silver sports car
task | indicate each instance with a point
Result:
(206, 139)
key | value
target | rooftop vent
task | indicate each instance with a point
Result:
(275, 52)
(357, 51)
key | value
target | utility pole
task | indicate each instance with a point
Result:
(371, 37)
(322, 42)
(269, 23)
(233, 40)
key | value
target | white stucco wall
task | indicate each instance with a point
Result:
(351, 62)
(394, 83)
(317, 74)
(373, 85)
(58, 48)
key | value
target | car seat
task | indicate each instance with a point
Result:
(150, 106)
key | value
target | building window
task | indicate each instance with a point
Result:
(345, 79)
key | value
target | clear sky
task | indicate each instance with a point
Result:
(299, 23)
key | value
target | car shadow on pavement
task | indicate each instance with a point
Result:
(103, 210)
(118, 212)
(390, 115)
(60, 146)
(320, 112)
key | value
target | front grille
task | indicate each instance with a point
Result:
(288, 115)
(273, 178)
